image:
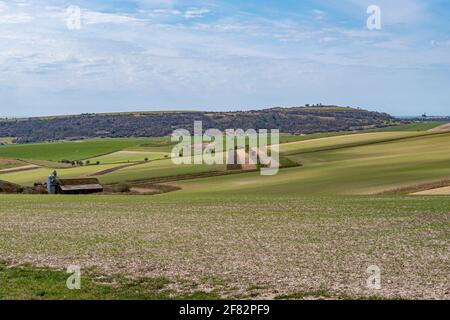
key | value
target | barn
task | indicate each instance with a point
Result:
(56, 185)
(79, 186)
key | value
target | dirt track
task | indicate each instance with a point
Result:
(436, 192)
(444, 127)
(19, 169)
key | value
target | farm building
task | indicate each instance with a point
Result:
(73, 186)
(79, 186)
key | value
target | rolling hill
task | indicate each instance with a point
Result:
(298, 120)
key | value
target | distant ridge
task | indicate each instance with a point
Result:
(291, 120)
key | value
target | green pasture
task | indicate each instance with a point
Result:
(72, 150)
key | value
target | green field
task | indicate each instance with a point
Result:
(360, 169)
(11, 163)
(28, 178)
(73, 150)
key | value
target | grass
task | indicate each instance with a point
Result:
(157, 169)
(30, 283)
(415, 126)
(304, 233)
(6, 140)
(332, 165)
(344, 141)
(11, 163)
(235, 246)
(359, 169)
(129, 156)
(73, 150)
(28, 178)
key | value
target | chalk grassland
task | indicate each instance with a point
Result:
(238, 247)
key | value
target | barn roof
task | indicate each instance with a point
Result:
(79, 184)
(76, 182)
(82, 187)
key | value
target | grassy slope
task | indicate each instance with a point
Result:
(352, 170)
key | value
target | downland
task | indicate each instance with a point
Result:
(342, 202)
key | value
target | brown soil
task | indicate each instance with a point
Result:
(444, 127)
(19, 169)
(444, 191)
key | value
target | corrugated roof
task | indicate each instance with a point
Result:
(81, 187)
(76, 182)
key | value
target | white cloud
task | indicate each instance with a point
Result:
(15, 18)
(195, 13)
(92, 17)
(161, 56)
(3, 6)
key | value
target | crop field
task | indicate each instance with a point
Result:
(73, 150)
(308, 232)
(27, 178)
(242, 246)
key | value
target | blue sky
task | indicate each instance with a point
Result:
(223, 55)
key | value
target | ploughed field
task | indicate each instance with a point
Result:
(243, 246)
(311, 231)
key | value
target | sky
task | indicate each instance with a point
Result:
(219, 55)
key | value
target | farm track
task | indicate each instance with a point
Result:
(444, 191)
(19, 169)
(110, 170)
(444, 127)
